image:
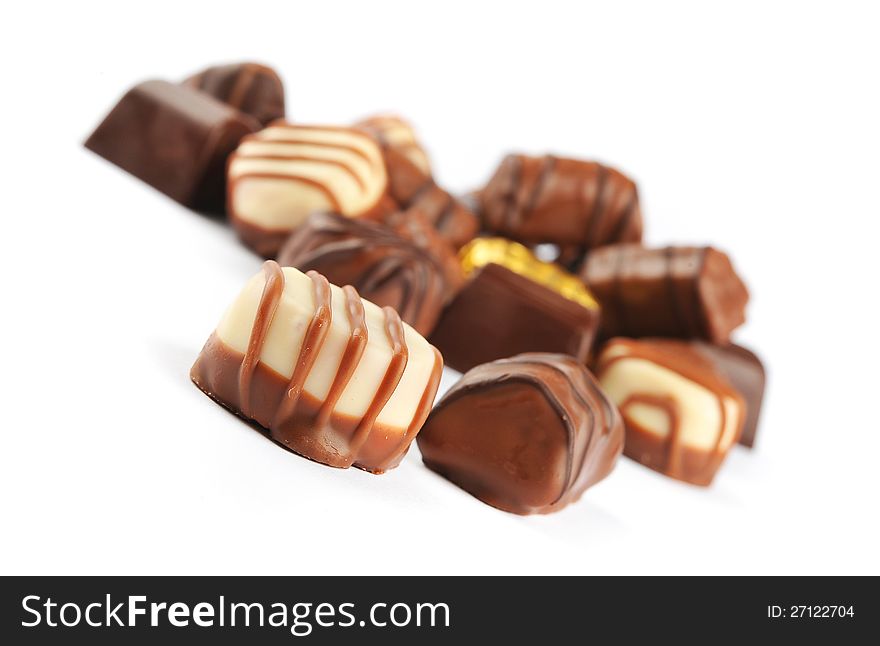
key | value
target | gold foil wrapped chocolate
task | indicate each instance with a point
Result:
(520, 259)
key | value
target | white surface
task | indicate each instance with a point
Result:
(755, 129)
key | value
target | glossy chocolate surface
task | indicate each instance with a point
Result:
(281, 175)
(410, 187)
(499, 313)
(416, 227)
(741, 368)
(528, 434)
(314, 427)
(382, 266)
(563, 201)
(175, 139)
(681, 414)
(249, 87)
(681, 292)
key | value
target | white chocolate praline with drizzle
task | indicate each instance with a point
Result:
(681, 418)
(282, 174)
(378, 375)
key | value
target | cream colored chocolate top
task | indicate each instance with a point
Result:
(284, 337)
(283, 173)
(661, 400)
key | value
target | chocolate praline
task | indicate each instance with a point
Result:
(528, 434)
(382, 266)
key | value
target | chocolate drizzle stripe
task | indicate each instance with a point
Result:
(314, 338)
(716, 454)
(607, 407)
(674, 443)
(606, 413)
(597, 208)
(243, 83)
(420, 192)
(548, 164)
(510, 194)
(617, 302)
(624, 219)
(682, 321)
(266, 309)
(351, 356)
(670, 406)
(381, 273)
(571, 472)
(700, 313)
(427, 400)
(317, 160)
(587, 445)
(331, 197)
(396, 366)
(307, 142)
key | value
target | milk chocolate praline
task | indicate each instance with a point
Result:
(252, 88)
(412, 188)
(382, 266)
(528, 434)
(679, 291)
(567, 202)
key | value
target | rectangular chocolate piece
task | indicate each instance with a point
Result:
(681, 414)
(335, 378)
(680, 292)
(528, 434)
(175, 139)
(513, 303)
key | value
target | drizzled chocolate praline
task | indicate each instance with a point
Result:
(528, 434)
(412, 188)
(382, 266)
(680, 292)
(252, 88)
(563, 201)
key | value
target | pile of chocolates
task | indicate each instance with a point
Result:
(577, 342)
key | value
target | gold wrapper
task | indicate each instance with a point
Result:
(520, 259)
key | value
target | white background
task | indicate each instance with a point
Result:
(754, 128)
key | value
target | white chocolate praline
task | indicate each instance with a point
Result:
(700, 419)
(280, 175)
(287, 330)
